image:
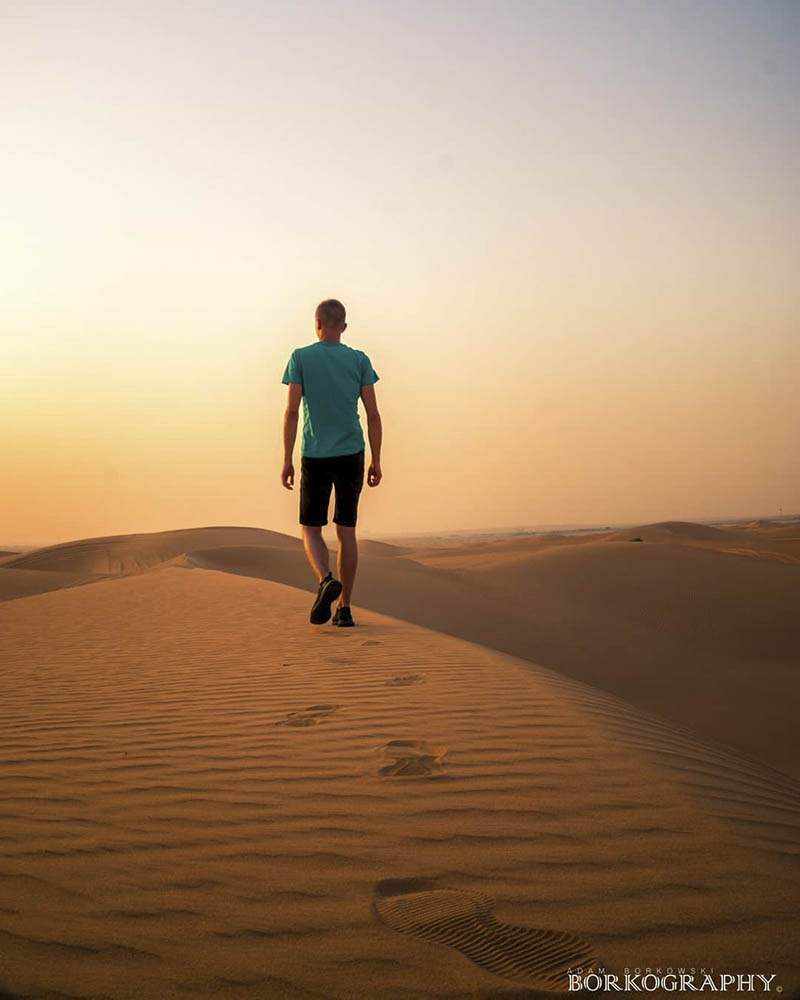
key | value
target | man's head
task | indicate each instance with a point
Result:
(330, 319)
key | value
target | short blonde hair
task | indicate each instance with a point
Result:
(331, 313)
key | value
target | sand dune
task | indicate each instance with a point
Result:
(122, 554)
(684, 626)
(697, 624)
(368, 546)
(510, 548)
(674, 530)
(203, 795)
(24, 582)
(784, 528)
(86, 560)
(697, 635)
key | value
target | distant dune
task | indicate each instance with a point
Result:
(675, 531)
(121, 554)
(367, 546)
(787, 528)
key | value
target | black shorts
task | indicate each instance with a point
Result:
(318, 475)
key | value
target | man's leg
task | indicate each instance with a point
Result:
(347, 562)
(316, 549)
(315, 494)
(348, 480)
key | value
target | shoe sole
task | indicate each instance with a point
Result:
(321, 610)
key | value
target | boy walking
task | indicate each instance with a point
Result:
(330, 377)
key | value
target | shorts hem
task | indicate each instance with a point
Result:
(339, 454)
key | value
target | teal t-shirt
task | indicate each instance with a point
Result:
(331, 375)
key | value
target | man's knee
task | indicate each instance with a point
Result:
(312, 529)
(346, 532)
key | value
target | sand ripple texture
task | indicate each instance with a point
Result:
(201, 795)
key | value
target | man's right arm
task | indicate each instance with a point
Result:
(374, 432)
(290, 420)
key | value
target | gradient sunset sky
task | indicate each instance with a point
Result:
(566, 233)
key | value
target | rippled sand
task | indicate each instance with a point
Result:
(203, 795)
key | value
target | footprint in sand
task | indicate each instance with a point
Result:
(539, 959)
(311, 716)
(371, 642)
(338, 659)
(403, 680)
(412, 758)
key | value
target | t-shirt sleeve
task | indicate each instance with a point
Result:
(368, 374)
(294, 371)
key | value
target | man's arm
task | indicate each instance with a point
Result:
(375, 433)
(290, 419)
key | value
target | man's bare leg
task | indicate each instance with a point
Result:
(316, 549)
(347, 562)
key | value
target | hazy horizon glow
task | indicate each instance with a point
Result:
(567, 234)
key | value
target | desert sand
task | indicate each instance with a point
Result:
(531, 755)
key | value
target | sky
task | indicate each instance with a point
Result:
(566, 232)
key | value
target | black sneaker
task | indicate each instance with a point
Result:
(329, 590)
(342, 616)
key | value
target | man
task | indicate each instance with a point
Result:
(330, 377)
